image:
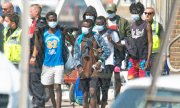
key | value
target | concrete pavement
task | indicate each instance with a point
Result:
(65, 95)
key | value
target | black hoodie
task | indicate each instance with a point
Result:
(91, 10)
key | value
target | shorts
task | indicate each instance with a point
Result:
(84, 84)
(136, 68)
(52, 75)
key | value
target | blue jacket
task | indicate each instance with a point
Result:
(101, 43)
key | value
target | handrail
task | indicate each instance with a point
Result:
(168, 55)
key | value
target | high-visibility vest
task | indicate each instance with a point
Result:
(12, 46)
(155, 38)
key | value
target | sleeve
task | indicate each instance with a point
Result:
(127, 29)
(77, 54)
(105, 48)
(1, 38)
(115, 37)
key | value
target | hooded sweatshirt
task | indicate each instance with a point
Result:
(92, 10)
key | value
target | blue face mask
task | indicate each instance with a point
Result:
(89, 17)
(112, 15)
(99, 27)
(5, 24)
(85, 30)
(135, 17)
(52, 24)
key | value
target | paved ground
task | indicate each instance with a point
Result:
(66, 102)
(65, 95)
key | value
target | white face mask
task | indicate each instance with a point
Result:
(5, 24)
(89, 17)
(99, 27)
(52, 24)
(85, 30)
(112, 15)
(135, 17)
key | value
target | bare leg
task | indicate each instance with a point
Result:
(52, 95)
(93, 101)
(58, 95)
(85, 99)
(117, 84)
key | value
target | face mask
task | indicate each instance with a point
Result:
(85, 30)
(99, 27)
(135, 17)
(5, 24)
(89, 17)
(52, 24)
(112, 15)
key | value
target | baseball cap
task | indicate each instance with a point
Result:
(111, 7)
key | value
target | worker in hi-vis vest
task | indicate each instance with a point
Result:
(12, 35)
(157, 31)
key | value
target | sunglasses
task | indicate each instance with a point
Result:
(5, 9)
(148, 13)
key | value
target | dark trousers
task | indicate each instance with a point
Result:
(104, 82)
(36, 88)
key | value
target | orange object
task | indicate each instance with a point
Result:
(71, 77)
(110, 1)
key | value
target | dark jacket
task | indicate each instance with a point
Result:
(1, 38)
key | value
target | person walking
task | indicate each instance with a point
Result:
(7, 7)
(51, 41)
(12, 36)
(122, 27)
(141, 33)
(87, 60)
(35, 63)
(157, 31)
(111, 38)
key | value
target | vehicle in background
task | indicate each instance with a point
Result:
(9, 83)
(134, 93)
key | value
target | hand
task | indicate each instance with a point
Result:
(147, 65)
(80, 70)
(98, 65)
(1, 20)
(109, 38)
(32, 61)
(100, 50)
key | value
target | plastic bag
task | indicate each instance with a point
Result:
(69, 65)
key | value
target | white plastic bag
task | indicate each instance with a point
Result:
(69, 65)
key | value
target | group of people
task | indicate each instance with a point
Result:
(100, 47)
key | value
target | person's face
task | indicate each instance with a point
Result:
(6, 8)
(85, 28)
(33, 12)
(89, 16)
(100, 22)
(100, 25)
(52, 18)
(86, 24)
(149, 14)
(110, 12)
(10, 24)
